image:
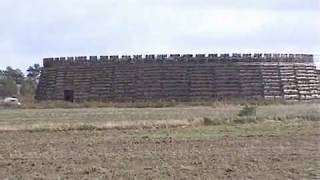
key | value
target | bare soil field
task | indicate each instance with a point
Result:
(282, 143)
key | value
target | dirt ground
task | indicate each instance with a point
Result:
(214, 152)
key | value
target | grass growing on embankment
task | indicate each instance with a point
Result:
(129, 118)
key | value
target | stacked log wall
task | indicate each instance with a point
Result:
(180, 77)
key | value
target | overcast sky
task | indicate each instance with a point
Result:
(34, 29)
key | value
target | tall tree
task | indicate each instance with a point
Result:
(2, 75)
(9, 79)
(34, 72)
(14, 74)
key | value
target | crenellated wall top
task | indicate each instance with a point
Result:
(178, 58)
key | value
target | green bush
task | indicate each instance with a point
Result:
(8, 87)
(28, 88)
(248, 111)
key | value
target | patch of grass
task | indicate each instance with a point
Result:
(31, 103)
(209, 116)
(96, 104)
(255, 114)
(230, 121)
(233, 131)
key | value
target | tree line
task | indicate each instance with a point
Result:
(14, 82)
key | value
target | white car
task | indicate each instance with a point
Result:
(11, 101)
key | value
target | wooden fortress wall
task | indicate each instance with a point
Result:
(180, 77)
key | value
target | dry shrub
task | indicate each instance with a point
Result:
(245, 120)
(213, 122)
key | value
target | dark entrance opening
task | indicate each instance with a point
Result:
(68, 95)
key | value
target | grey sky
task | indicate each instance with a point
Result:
(31, 30)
